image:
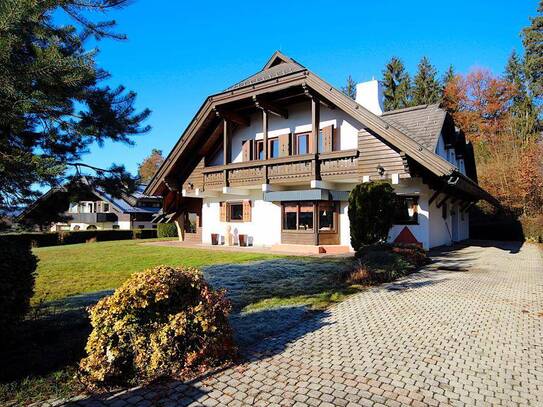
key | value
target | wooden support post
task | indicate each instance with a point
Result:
(226, 141)
(265, 133)
(315, 123)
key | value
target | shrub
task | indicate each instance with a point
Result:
(17, 275)
(371, 213)
(161, 322)
(384, 262)
(85, 236)
(167, 230)
(33, 239)
(144, 233)
(532, 227)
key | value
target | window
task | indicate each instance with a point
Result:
(115, 227)
(236, 212)
(191, 222)
(273, 148)
(77, 227)
(92, 227)
(259, 150)
(290, 220)
(302, 144)
(406, 210)
(305, 217)
(326, 216)
(321, 142)
(105, 207)
(141, 226)
(155, 227)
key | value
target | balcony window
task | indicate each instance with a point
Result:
(406, 210)
(302, 144)
(259, 150)
(273, 148)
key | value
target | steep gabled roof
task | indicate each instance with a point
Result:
(281, 71)
(278, 65)
(422, 123)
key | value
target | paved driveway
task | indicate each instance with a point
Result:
(467, 330)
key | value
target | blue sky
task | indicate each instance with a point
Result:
(179, 52)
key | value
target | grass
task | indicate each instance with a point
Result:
(43, 362)
(64, 271)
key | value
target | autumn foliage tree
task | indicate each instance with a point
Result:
(508, 161)
(149, 166)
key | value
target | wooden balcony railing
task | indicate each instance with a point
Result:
(283, 170)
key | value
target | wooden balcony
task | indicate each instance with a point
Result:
(284, 170)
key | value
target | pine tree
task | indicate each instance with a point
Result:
(447, 77)
(524, 111)
(150, 165)
(427, 89)
(350, 88)
(397, 85)
(532, 39)
(53, 103)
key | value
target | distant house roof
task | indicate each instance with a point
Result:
(422, 123)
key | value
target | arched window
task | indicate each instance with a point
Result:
(77, 227)
(92, 227)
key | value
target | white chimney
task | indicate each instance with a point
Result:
(370, 95)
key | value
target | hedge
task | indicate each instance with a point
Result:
(167, 230)
(17, 275)
(72, 237)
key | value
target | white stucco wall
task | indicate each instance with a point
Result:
(344, 225)
(263, 230)
(298, 121)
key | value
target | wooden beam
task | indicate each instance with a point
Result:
(310, 93)
(270, 107)
(264, 134)
(433, 197)
(226, 141)
(232, 117)
(440, 203)
(315, 123)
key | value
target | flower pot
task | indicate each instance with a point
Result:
(214, 239)
(242, 240)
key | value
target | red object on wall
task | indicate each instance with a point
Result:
(406, 237)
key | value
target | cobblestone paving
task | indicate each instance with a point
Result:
(467, 330)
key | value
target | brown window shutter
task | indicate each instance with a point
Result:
(336, 140)
(284, 145)
(223, 212)
(246, 210)
(327, 138)
(246, 150)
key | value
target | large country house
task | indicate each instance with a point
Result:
(270, 162)
(95, 211)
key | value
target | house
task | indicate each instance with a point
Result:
(270, 162)
(95, 210)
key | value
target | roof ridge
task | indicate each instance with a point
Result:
(411, 108)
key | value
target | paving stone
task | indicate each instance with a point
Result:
(435, 337)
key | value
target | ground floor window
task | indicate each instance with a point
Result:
(304, 216)
(115, 227)
(236, 211)
(406, 210)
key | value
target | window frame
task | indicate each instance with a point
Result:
(414, 221)
(332, 205)
(297, 137)
(229, 206)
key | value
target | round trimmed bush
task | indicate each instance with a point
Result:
(162, 322)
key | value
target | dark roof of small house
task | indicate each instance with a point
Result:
(278, 65)
(422, 123)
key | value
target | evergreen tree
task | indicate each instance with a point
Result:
(532, 39)
(350, 88)
(524, 112)
(53, 103)
(447, 77)
(397, 85)
(427, 89)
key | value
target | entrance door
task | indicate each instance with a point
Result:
(192, 226)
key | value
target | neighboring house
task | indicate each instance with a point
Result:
(271, 160)
(97, 210)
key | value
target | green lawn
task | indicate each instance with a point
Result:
(82, 268)
(268, 292)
